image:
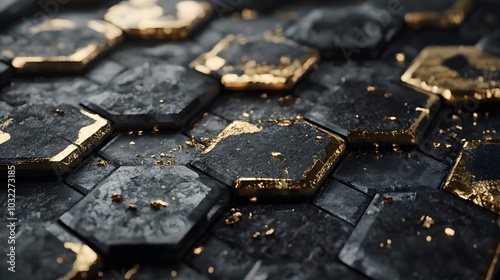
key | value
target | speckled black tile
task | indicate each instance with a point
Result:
(255, 107)
(266, 62)
(375, 113)
(60, 45)
(286, 159)
(307, 270)
(206, 128)
(174, 271)
(346, 31)
(89, 174)
(145, 213)
(49, 91)
(149, 148)
(40, 200)
(218, 260)
(342, 201)
(292, 233)
(490, 43)
(387, 171)
(11, 10)
(457, 124)
(161, 96)
(38, 252)
(54, 138)
(416, 235)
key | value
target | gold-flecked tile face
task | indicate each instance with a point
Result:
(158, 19)
(446, 19)
(257, 63)
(62, 45)
(466, 182)
(457, 73)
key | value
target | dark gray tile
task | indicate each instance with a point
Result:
(89, 174)
(206, 128)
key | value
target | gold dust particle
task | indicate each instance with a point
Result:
(390, 118)
(132, 272)
(234, 218)
(59, 260)
(192, 142)
(132, 143)
(371, 89)
(173, 198)
(140, 133)
(474, 246)
(158, 204)
(253, 199)
(198, 250)
(245, 115)
(130, 133)
(60, 112)
(117, 198)
(428, 238)
(449, 231)
(381, 245)
(263, 96)
(275, 154)
(132, 206)
(319, 138)
(211, 270)
(256, 235)
(101, 162)
(387, 95)
(286, 101)
(400, 57)
(238, 150)
(270, 232)
(389, 242)
(100, 273)
(428, 221)
(173, 273)
(161, 100)
(437, 145)
(387, 200)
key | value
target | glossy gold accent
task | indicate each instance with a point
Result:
(75, 61)
(233, 129)
(158, 204)
(429, 74)
(85, 260)
(132, 272)
(256, 74)
(446, 19)
(484, 193)
(4, 137)
(147, 19)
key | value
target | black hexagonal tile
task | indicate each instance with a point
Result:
(378, 113)
(145, 213)
(346, 31)
(161, 96)
(149, 149)
(342, 201)
(475, 175)
(256, 62)
(54, 138)
(391, 171)
(286, 159)
(89, 174)
(427, 235)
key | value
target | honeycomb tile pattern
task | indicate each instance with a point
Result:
(160, 198)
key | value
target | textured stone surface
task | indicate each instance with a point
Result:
(307, 270)
(406, 237)
(346, 31)
(271, 159)
(342, 201)
(378, 112)
(89, 174)
(164, 95)
(54, 138)
(145, 233)
(206, 128)
(149, 149)
(389, 171)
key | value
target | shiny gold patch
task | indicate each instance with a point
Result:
(484, 193)
(239, 71)
(476, 74)
(106, 36)
(446, 19)
(158, 19)
(86, 260)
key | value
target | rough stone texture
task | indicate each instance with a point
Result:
(392, 242)
(145, 233)
(163, 95)
(389, 171)
(149, 149)
(208, 127)
(89, 174)
(342, 201)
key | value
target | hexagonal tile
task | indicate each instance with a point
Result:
(428, 13)
(259, 63)
(50, 91)
(416, 235)
(145, 213)
(89, 174)
(161, 96)
(391, 171)
(287, 159)
(76, 45)
(53, 138)
(159, 19)
(475, 175)
(150, 149)
(378, 113)
(457, 73)
(40, 253)
(490, 43)
(346, 31)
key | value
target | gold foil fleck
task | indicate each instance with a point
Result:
(86, 258)
(117, 198)
(158, 204)
(449, 231)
